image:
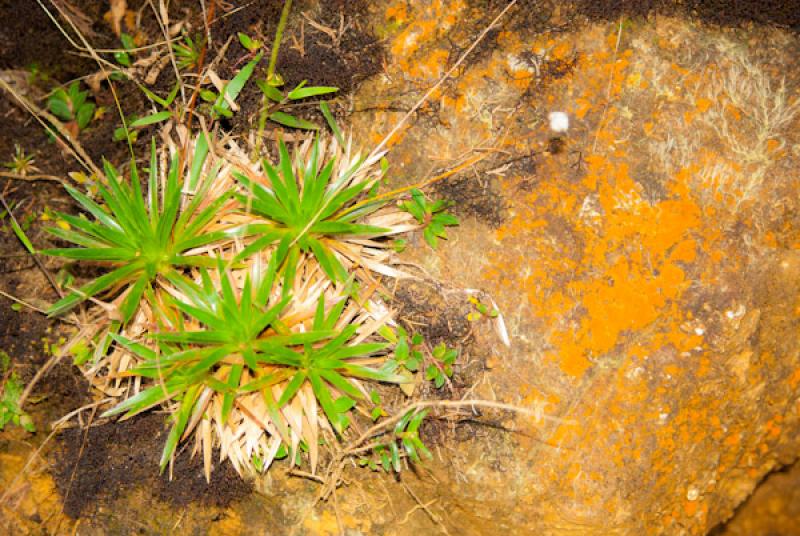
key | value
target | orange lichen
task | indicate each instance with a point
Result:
(630, 269)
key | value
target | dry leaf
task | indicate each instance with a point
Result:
(117, 13)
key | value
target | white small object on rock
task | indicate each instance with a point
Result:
(559, 122)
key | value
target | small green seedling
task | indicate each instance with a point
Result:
(442, 366)
(21, 164)
(123, 57)
(414, 355)
(187, 52)
(408, 352)
(276, 101)
(252, 45)
(11, 390)
(481, 310)
(231, 90)
(378, 411)
(71, 105)
(122, 133)
(134, 123)
(405, 436)
(431, 215)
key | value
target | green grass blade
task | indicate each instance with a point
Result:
(268, 317)
(198, 159)
(117, 277)
(134, 347)
(291, 389)
(199, 261)
(336, 202)
(93, 254)
(305, 92)
(94, 209)
(326, 111)
(262, 201)
(150, 119)
(98, 231)
(152, 187)
(198, 223)
(120, 199)
(359, 350)
(281, 191)
(259, 244)
(207, 317)
(194, 337)
(315, 190)
(172, 199)
(131, 302)
(341, 383)
(234, 376)
(235, 86)
(337, 227)
(146, 399)
(21, 234)
(75, 237)
(368, 373)
(305, 337)
(319, 314)
(291, 121)
(323, 395)
(273, 410)
(181, 419)
(290, 269)
(327, 261)
(289, 178)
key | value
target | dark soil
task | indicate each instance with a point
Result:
(476, 197)
(427, 308)
(781, 13)
(25, 337)
(306, 53)
(98, 466)
(31, 44)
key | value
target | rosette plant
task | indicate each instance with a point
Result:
(319, 203)
(240, 357)
(143, 236)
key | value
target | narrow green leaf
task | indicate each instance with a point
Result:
(150, 119)
(326, 112)
(291, 388)
(21, 235)
(234, 376)
(235, 86)
(291, 121)
(181, 419)
(271, 92)
(85, 115)
(305, 92)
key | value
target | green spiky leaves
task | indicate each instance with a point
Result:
(140, 237)
(305, 208)
(431, 215)
(241, 346)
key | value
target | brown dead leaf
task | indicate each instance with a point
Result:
(117, 13)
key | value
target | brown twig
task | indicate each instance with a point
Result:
(31, 178)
